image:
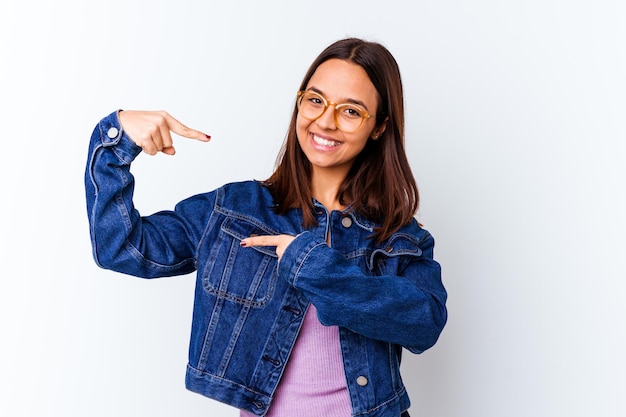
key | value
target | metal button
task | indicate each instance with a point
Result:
(113, 132)
(346, 222)
(362, 381)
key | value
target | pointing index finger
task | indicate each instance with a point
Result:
(263, 240)
(184, 131)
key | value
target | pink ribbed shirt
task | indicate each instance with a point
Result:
(314, 382)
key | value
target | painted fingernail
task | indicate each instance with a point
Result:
(243, 243)
(207, 136)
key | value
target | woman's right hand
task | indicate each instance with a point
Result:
(150, 130)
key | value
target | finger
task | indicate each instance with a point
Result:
(167, 143)
(169, 151)
(265, 240)
(148, 146)
(155, 143)
(157, 138)
(180, 129)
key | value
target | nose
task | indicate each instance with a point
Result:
(327, 119)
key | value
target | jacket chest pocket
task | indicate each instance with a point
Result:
(241, 275)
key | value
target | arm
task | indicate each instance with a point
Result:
(407, 309)
(159, 245)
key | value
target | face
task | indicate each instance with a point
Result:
(325, 146)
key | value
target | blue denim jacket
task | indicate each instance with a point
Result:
(249, 307)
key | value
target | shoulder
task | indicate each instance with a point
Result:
(251, 202)
(244, 195)
(413, 233)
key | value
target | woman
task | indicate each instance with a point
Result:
(310, 283)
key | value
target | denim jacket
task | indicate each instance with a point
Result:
(248, 307)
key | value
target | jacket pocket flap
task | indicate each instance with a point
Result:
(400, 245)
(242, 228)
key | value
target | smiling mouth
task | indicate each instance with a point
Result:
(325, 142)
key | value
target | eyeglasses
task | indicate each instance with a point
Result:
(348, 116)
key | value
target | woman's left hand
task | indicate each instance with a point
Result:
(279, 241)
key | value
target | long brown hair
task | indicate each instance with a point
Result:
(380, 185)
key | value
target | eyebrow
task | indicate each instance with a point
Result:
(348, 100)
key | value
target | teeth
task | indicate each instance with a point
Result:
(324, 142)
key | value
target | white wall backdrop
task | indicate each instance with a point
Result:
(516, 132)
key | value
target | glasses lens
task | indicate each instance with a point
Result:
(311, 105)
(349, 117)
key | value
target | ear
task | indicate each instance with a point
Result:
(378, 130)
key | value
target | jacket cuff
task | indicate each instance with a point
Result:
(296, 255)
(112, 135)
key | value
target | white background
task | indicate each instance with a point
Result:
(515, 130)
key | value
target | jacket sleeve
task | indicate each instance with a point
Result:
(163, 244)
(407, 309)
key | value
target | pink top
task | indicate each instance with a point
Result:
(314, 383)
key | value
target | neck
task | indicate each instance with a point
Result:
(325, 186)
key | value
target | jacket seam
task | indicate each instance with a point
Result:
(304, 259)
(383, 404)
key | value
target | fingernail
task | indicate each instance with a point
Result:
(207, 136)
(243, 243)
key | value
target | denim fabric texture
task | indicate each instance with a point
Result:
(248, 307)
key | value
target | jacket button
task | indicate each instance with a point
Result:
(362, 381)
(346, 222)
(112, 133)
